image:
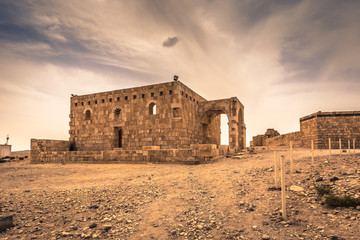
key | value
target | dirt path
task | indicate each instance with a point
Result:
(228, 199)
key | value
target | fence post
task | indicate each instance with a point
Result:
(354, 145)
(340, 145)
(312, 151)
(283, 199)
(329, 148)
(291, 158)
(276, 169)
(349, 146)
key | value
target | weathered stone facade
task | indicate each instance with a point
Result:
(321, 126)
(259, 140)
(163, 118)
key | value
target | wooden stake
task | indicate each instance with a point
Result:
(329, 148)
(291, 158)
(312, 151)
(340, 145)
(354, 145)
(283, 199)
(349, 146)
(276, 169)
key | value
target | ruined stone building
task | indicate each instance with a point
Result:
(319, 127)
(165, 122)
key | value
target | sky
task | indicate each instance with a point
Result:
(282, 59)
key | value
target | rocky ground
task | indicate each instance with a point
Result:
(233, 198)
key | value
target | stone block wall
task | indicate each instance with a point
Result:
(321, 126)
(284, 140)
(96, 119)
(46, 146)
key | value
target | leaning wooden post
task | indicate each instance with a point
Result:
(283, 199)
(349, 146)
(276, 169)
(312, 151)
(291, 158)
(340, 145)
(329, 148)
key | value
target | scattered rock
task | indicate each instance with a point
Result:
(319, 179)
(265, 237)
(333, 179)
(93, 225)
(296, 188)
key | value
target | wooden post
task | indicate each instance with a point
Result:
(291, 158)
(276, 169)
(349, 146)
(354, 145)
(329, 148)
(340, 145)
(312, 151)
(283, 199)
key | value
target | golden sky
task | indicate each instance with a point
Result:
(282, 59)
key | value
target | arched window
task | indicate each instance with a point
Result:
(117, 112)
(87, 115)
(152, 109)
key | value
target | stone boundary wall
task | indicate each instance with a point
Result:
(200, 153)
(284, 140)
(39, 146)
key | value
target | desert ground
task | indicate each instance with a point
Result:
(232, 198)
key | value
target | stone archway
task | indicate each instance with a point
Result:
(210, 111)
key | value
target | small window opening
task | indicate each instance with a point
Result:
(126, 97)
(152, 109)
(194, 100)
(87, 115)
(176, 112)
(170, 92)
(82, 103)
(75, 104)
(117, 99)
(161, 93)
(103, 100)
(190, 98)
(142, 95)
(88, 102)
(110, 100)
(134, 97)
(95, 101)
(182, 93)
(152, 94)
(186, 96)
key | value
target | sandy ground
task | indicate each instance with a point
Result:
(228, 199)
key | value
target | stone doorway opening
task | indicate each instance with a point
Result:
(118, 137)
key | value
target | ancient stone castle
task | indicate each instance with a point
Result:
(165, 122)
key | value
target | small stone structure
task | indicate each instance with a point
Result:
(5, 150)
(321, 126)
(259, 140)
(165, 122)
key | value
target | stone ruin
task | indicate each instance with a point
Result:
(319, 127)
(165, 122)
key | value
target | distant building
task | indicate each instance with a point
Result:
(320, 127)
(5, 150)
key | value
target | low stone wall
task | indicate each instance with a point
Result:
(39, 146)
(284, 140)
(199, 153)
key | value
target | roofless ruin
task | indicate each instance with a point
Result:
(165, 122)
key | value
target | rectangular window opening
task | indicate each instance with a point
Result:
(103, 100)
(126, 97)
(110, 100)
(95, 101)
(152, 94)
(134, 97)
(142, 95)
(161, 93)
(170, 92)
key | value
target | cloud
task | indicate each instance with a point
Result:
(170, 42)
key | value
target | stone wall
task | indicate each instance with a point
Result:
(321, 126)
(5, 150)
(175, 122)
(45, 146)
(284, 140)
(199, 153)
